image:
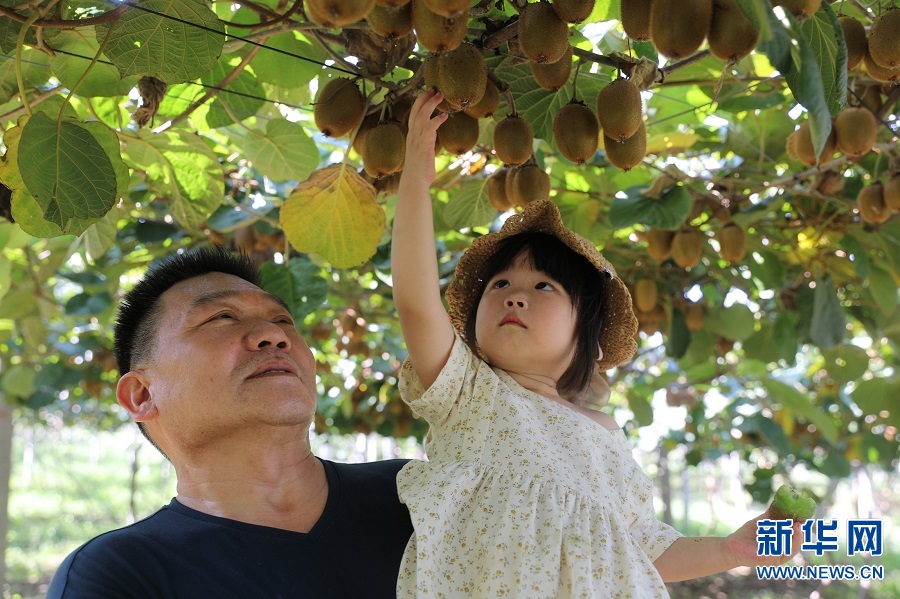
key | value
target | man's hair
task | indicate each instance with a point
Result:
(547, 254)
(140, 312)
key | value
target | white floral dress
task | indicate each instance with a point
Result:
(522, 496)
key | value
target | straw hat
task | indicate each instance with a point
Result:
(619, 322)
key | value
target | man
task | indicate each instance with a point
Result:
(219, 380)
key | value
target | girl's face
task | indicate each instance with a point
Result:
(525, 322)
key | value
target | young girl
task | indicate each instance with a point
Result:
(526, 493)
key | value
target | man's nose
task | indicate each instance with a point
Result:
(267, 334)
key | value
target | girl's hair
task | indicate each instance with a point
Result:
(581, 280)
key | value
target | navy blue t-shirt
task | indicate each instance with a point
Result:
(354, 550)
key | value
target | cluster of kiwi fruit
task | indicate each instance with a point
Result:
(877, 201)
(853, 133)
(879, 49)
(677, 28)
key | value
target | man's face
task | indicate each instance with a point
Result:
(226, 359)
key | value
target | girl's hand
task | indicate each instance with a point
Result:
(421, 138)
(743, 545)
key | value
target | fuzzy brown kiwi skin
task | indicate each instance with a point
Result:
(385, 150)
(892, 193)
(857, 130)
(389, 22)
(620, 109)
(678, 27)
(884, 40)
(488, 104)
(513, 140)
(871, 205)
(878, 72)
(636, 19)
(804, 146)
(437, 33)
(462, 75)
(338, 108)
(573, 11)
(543, 36)
(855, 38)
(552, 76)
(459, 133)
(629, 153)
(731, 34)
(331, 13)
(576, 132)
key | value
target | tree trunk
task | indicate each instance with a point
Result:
(6, 432)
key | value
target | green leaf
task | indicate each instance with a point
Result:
(638, 404)
(883, 288)
(735, 322)
(827, 328)
(285, 152)
(19, 380)
(299, 284)
(88, 304)
(274, 64)
(178, 41)
(679, 335)
(243, 103)
(469, 205)
(34, 72)
(774, 40)
(858, 253)
(67, 171)
(668, 212)
(875, 395)
(181, 168)
(100, 237)
(103, 79)
(802, 405)
(826, 38)
(9, 35)
(5, 279)
(767, 268)
(846, 363)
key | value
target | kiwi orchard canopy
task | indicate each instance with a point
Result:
(741, 157)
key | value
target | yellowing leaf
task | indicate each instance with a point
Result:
(670, 143)
(334, 214)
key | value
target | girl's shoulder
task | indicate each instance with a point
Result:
(604, 420)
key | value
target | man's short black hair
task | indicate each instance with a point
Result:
(139, 313)
(139, 310)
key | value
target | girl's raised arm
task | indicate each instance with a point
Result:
(417, 295)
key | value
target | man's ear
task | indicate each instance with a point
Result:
(133, 394)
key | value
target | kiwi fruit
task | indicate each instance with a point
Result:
(636, 19)
(543, 36)
(799, 8)
(496, 191)
(459, 133)
(390, 22)
(884, 40)
(576, 132)
(694, 316)
(678, 27)
(892, 193)
(619, 109)
(531, 183)
(461, 75)
(871, 98)
(830, 183)
(448, 8)
(629, 153)
(384, 150)
(437, 33)
(855, 38)
(509, 183)
(659, 243)
(401, 108)
(731, 34)
(337, 13)
(687, 247)
(878, 72)
(488, 104)
(732, 243)
(552, 76)
(392, 3)
(369, 122)
(790, 146)
(573, 11)
(432, 70)
(339, 107)
(804, 146)
(857, 129)
(388, 185)
(871, 204)
(513, 140)
(646, 294)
